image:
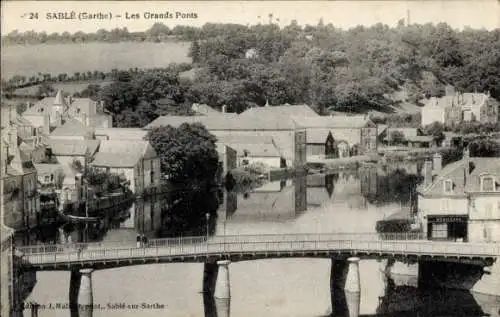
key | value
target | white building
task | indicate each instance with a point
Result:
(136, 160)
(461, 201)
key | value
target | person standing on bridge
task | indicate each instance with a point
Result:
(139, 241)
(79, 250)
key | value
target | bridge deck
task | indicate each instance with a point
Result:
(246, 245)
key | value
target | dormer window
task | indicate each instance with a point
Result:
(488, 184)
(448, 186)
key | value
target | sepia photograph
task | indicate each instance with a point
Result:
(250, 158)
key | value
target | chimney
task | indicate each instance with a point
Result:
(224, 108)
(13, 137)
(449, 90)
(466, 153)
(437, 162)
(84, 119)
(12, 114)
(267, 103)
(467, 165)
(46, 124)
(5, 157)
(58, 119)
(427, 173)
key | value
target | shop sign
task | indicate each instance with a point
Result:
(447, 219)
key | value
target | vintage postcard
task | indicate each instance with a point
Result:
(250, 158)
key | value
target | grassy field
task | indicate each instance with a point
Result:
(70, 58)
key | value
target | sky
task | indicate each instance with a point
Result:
(343, 14)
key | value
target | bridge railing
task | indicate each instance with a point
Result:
(444, 249)
(416, 247)
(228, 239)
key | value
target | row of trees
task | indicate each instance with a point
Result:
(18, 81)
(157, 33)
(354, 70)
(348, 70)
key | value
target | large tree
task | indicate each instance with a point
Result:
(188, 153)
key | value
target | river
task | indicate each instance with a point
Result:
(344, 202)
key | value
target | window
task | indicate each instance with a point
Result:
(448, 186)
(445, 204)
(46, 178)
(440, 230)
(488, 184)
(488, 210)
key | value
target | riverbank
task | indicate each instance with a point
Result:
(399, 154)
(323, 164)
(474, 278)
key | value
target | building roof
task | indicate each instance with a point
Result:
(65, 147)
(21, 162)
(253, 119)
(210, 122)
(483, 166)
(333, 122)
(115, 160)
(121, 133)
(256, 150)
(203, 109)
(381, 128)
(73, 127)
(22, 121)
(274, 117)
(245, 139)
(283, 110)
(83, 106)
(420, 138)
(457, 173)
(40, 107)
(59, 100)
(77, 105)
(43, 169)
(133, 148)
(463, 100)
(317, 136)
(407, 132)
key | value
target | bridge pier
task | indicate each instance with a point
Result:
(74, 288)
(85, 295)
(222, 307)
(353, 283)
(344, 281)
(80, 292)
(222, 287)
(210, 270)
(34, 309)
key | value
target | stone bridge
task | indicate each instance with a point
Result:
(217, 252)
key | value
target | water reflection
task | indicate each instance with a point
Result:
(292, 287)
(183, 213)
(216, 307)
